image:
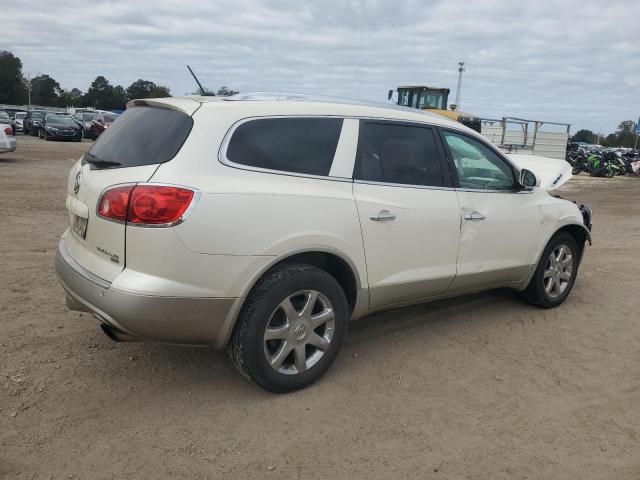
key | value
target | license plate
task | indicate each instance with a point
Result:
(80, 226)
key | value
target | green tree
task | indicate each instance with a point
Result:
(626, 135)
(226, 92)
(146, 89)
(45, 90)
(586, 136)
(12, 86)
(103, 95)
(71, 97)
(100, 92)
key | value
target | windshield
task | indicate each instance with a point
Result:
(432, 100)
(58, 120)
(39, 115)
(20, 115)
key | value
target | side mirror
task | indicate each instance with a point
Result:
(528, 178)
(390, 95)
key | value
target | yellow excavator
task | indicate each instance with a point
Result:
(433, 100)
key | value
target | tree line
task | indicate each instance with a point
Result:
(46, 91)
(624, 136)
(101, 94)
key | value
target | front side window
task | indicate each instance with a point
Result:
(398, 153)
(295, 145)
(478, 166)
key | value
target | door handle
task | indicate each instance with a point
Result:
(474, 216)
(382, 216)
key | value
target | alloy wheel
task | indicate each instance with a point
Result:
(558, 271)
(299, 332)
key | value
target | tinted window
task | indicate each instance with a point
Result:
(478, 166)
(141, 136)
(395, 153)
(298, 145)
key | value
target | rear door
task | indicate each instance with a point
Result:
(408, 214)
(128, 152)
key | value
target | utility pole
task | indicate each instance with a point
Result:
(29, 88)
(459, 90)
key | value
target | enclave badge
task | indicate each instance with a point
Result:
(76, 183)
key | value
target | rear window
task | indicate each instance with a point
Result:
(141, 136)
(296, 145)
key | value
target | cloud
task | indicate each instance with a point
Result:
(574, 61)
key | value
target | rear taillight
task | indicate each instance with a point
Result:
(114, 203)
(8, 131)
(145, 204)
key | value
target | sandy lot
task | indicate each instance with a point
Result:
(481, 387)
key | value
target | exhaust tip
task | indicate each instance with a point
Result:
(117, 335)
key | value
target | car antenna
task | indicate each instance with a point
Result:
(202, 91)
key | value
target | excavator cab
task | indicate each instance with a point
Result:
(434, 100)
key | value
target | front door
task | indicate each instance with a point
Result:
(500, 222)
(410, 219)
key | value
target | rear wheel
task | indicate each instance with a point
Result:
(556, 272)
(291, 328)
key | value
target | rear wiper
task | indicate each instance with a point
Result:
(96, 162)
(103, 163)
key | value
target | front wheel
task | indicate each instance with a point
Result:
(291, 328)
(556, 272)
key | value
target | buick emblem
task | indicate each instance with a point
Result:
(76, 183)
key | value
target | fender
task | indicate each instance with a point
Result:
(362, 299)
(539, 256)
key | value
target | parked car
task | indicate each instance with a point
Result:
(8, 140)
(19, 118)
(60, 127)
(100, 123)
(32, 121)
(84, 119)
(275, 222)
(5, 118)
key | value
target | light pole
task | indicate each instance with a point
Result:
(29, 89)
(459, 90)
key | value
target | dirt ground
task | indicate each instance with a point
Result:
(480, 387)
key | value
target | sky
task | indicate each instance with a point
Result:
(573, 61)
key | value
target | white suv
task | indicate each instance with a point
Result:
(264, 223)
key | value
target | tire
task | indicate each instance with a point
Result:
(609, 173)
(296, 362)
(538, 292)
(575, 171)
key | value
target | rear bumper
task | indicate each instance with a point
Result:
(165, 319)
(9, 145)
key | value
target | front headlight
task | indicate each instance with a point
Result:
(52, 129)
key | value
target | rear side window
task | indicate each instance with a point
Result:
(398, 153)
(141, 136)
(296, 145)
